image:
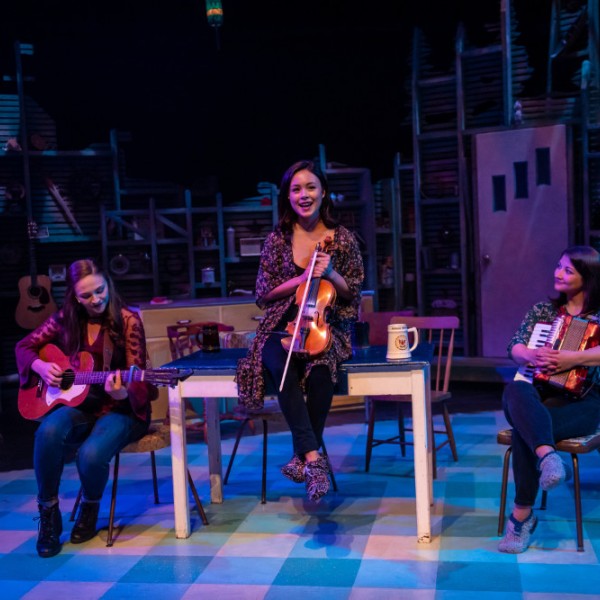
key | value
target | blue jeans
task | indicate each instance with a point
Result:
(306, 419)
(543, 420)
(67, 430)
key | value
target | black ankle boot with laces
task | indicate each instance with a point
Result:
(50, 528)
(85, 526)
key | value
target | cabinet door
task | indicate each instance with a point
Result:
(522, 226)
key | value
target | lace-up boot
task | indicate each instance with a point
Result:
(85, 526)
(50, 528)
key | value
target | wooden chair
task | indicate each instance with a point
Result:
(574, 446)
(184, 338)
(439, 331)
(158, 437)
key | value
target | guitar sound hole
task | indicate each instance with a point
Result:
(68, 377)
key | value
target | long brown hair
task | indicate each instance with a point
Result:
(75, 316)
(287, 216)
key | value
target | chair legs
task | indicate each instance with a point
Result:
(113, 497)
(577, 493)
(263, 494)
(372, 442)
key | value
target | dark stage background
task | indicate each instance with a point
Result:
(288, 76)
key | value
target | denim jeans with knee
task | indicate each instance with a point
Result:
(306, 419)
(96, 440)
(543, 420)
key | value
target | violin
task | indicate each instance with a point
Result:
(309, 330)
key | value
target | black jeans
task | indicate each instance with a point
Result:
(539, 421)
(306, 419)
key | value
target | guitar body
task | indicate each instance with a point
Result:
(35, 301)
(34, 402)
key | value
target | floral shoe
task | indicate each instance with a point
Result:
(317, 478)
(294, 469)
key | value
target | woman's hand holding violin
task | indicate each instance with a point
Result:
(323, 266)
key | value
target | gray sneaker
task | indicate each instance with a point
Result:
(517, 535)
(553, 471)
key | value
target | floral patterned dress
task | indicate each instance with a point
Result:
(276, 267)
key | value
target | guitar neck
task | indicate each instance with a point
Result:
(93, 377)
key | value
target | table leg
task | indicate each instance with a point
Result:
(213, 443)
(422, 450)
(179, 463)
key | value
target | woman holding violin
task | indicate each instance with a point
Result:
(309, 281)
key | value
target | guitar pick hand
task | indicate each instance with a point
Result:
(50, 372)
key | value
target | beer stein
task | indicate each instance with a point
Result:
(399, 347)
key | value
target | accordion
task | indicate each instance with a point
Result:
(565, 333)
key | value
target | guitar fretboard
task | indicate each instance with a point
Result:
(93, 377)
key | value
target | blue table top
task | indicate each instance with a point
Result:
(226, 359)
(370, 359)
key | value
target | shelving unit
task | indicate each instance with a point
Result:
(181, 252)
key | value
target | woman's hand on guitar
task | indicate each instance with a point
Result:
(114, 387)
(50, 372)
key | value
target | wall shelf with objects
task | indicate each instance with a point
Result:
(196, 248)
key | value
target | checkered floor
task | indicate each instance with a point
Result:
(358, 543)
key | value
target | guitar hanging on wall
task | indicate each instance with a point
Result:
(35, 299)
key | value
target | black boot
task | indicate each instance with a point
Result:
(85, 526)
(50, 528)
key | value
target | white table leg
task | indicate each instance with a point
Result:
(179, 463)
(213, 443)
(422, 449)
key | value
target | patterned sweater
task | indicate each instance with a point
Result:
(276, 267)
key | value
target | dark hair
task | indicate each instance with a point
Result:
(586, 261)
(287, 216)
(75, 315)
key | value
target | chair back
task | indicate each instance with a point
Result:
(378, 322)
(183, 337)
(439, 331)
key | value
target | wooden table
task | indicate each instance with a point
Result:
(368, 373)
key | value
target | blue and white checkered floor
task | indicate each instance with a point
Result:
(358, 543)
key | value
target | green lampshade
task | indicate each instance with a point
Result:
(214, 12)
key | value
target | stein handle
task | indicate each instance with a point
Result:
(415, 332)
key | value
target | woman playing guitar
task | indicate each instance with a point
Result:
(287, 259)
(93, 321)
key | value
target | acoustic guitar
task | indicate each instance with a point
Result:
(35, 299)
(35, 401)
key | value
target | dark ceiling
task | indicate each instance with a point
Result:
(288, 76)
